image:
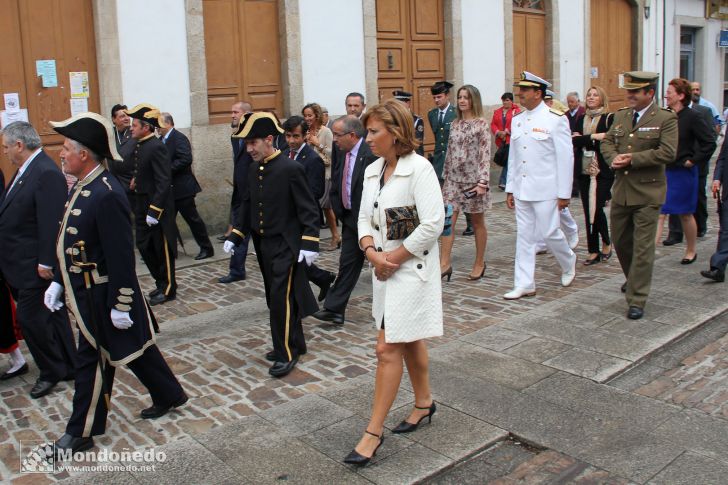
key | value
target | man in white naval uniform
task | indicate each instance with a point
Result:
(540, 175)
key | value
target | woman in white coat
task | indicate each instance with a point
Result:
(400, 220)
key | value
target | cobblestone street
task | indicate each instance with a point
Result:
(215, 337)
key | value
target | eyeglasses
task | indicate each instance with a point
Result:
(339, 135)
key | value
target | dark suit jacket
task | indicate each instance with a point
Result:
(696, 140)
(123, 169)
(241, 163)
(720, 172)
(29, 217)
(707, 115)
(573, 120)
(314, 167)
(184, 183)
(363, 159)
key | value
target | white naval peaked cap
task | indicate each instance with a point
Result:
(530, 80)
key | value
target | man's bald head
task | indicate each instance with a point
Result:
(237, 112)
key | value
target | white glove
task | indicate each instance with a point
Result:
(151, 221)
(228, 247)
(309, 256)
(52, 298)
(121, 320)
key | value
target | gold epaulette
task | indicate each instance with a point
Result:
(622, 109)
(556, 111)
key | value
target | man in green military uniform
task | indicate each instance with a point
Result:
(440, 117)
(641, 141)
(406, 98)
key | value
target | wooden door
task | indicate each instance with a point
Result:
(529, 38)
(411, 52)
(61, 30)
(611, 54)
(242, 52)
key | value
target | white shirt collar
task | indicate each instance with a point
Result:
(26, 163)
(643, 110)
(444, 110)
(164, 138)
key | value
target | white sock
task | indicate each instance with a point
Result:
(16, 359)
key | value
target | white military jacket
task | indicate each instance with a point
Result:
(410, 301)
(541, 156)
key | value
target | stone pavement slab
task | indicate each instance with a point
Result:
(585, 363)
(410, 465)
(690, 469)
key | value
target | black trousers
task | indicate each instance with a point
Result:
(701, 212)
(156, 250)
(48, 334)
(719, 259)
(317, 276)
(277, 263)
(188, 209)
(240, 253)
(351, 261)
(88, 417)
(600, 228)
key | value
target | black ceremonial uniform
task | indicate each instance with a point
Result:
(98, 214)
(281, 214)
(419, 135)
(153, 197)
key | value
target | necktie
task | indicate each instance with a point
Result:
(345, 198)
(441, 118)
(292, 154)
(635, 116)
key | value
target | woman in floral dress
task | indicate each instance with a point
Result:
(467, 173)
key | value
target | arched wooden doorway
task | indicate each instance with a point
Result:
(529, 37)
(612, 54)
(50, 30)
(411, 52)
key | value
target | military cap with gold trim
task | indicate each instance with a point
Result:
(638, 79)
(257, 125)
(530, 80)
(92, 131)
(147, 112)
(549, 94)
(402, 95)
(441, 87)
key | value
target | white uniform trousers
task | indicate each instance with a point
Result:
(538, 221)
(567, 224)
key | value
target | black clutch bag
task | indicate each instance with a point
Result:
(401, 221)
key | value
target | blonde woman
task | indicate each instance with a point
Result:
(400, 219)
(321, 139)
(467, 176)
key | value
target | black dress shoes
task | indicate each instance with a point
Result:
(73, 444)
(9, 375)
(280, 369)
(154, 292)
(156, 410)
(671, 241)
(230, 279)
(329, 316)
(326, 286)
(204, 254)
(41, 388)
(702, 233)
(222, 238)
(160, 298)
(712, 274)
(468, 231)
(635, 313)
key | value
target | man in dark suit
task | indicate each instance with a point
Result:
(153, 205)
(185, 185)
(719, 259)
(701, 212)
(295, 129)
(351, 155)
(125, 146)
(241, 163)
(30, 210)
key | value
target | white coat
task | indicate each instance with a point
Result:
(410, 301)
(541, 157)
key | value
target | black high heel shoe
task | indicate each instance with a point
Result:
(594, 260)
(405, 427)
(356, 458)
(447, 273)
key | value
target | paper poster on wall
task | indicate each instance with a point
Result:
(7, 117)
(78, 105)
(12, 102)
(79, 84)
(46, 69)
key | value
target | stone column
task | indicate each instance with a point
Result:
(108, 62)
(453, 42)
(371, 64)
(289, 26)
(197, 63)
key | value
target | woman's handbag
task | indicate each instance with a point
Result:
(401, 221)
(501, 155)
